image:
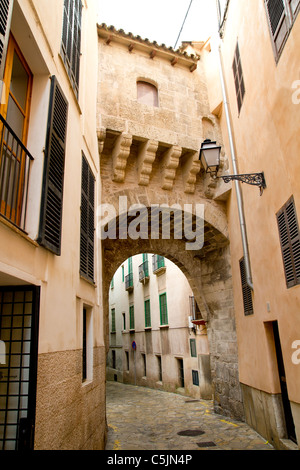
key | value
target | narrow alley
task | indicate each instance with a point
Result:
(145, 419)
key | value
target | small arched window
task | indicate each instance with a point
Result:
(147, 93)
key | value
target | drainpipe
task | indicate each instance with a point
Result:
(235, 172)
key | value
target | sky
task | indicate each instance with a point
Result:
(160, 20)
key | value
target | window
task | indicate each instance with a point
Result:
(281, 16)
(112, 283)
(71, 39)
(180, 372)
(129, 265)
(147, 93)
(238, 77)
(127, 359)
(147, 314)
(195, 376)
(123, 274)
(193, 347)
(113, 353)
(290, 242)
(113, 320)
(131, 317)
(124, 321)
(159, 368)
(53, 178)
(87, 345)
(87, 221)
(247, 292)
(163, 309)
(144, 365)
(5, 18)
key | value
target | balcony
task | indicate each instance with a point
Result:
(158, 264)
(15, 163)
(144, 272)
(129, 282)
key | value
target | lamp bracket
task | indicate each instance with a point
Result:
(255, 179)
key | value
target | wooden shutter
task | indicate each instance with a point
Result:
(290, 242)
(295, 7)
(5, 17)
(71, 40)
(278, 22)
(87, 225)
(53, 181)
(247, 292)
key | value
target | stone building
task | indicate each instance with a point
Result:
(156, 338)
(98, 129)
(153, 114)
(259, 114)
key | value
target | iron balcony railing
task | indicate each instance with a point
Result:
(158, 263)
(129, 282)
(144, 271)
(15, 162)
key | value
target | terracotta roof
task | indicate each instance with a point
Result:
(111, 30)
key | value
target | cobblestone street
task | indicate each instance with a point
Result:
(145, 419)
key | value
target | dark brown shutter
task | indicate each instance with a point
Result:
(247, 292)
(278, 22)
(87, 222)
(290, 242)
(71, 40)
(5, 17)
(53, 180)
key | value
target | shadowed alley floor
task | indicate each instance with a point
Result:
(145, 419)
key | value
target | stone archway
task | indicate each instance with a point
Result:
(208, 272)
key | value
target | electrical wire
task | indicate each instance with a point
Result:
(183, 24)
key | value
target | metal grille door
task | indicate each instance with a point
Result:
(18, 359)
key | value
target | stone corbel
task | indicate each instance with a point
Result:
(190, 170)
(146, 157)
(120, 155)
(170, 164)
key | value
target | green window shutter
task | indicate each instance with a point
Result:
(145, 257)
(71, 40)
(163, 309)
(131, 317)
(246, 290)
(5, 18)
(54, 165)
(129, 265)
(87, 221)
(123, 277)
(290, 242)
(193, 347)
(278, 24)
(147, 314)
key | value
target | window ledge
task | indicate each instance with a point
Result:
(163, 326)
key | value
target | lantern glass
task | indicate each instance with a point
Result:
(210, 156)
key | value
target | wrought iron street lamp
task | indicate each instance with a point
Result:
(210, 159)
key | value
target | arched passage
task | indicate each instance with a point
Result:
(208, 271)
(151, 306)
